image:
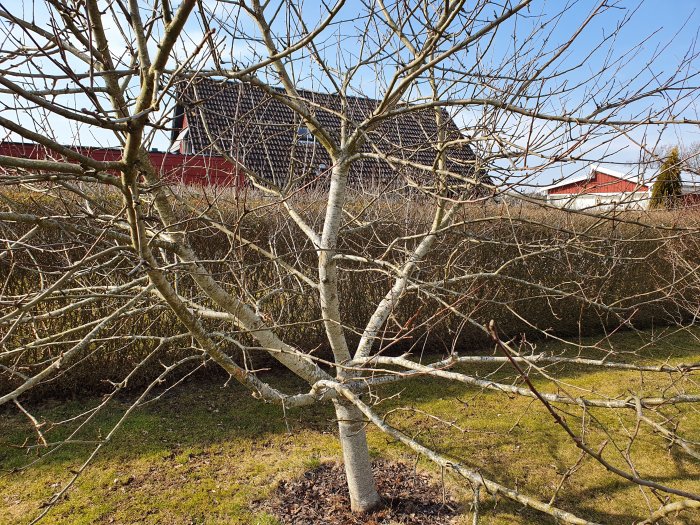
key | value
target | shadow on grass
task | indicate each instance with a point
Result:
(180, 435)
(206, 412)
(196, 414)
(665, 346)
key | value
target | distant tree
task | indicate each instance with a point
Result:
(689, 156)
(667, 189)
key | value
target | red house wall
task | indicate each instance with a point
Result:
(187, 169)
(600, 183)
(691, 199)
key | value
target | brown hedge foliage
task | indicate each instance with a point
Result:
(588, 261)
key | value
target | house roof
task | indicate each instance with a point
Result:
(635, 178)
(268, 137)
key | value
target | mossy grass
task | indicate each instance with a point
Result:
(205, 453)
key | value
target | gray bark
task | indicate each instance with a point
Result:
(358, 469)
(351, 422)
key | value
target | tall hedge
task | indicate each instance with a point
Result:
(621, 263)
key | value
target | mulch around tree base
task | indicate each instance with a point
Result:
(321, 496)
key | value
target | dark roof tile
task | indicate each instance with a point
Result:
(263, 134)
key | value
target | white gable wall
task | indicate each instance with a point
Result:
(638, 200)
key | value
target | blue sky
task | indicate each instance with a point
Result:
(661, 21)
(672, 26)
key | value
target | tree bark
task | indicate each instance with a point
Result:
(358, 468)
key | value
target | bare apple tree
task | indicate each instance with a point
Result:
(395, 215)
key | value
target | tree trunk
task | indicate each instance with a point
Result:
(358, 469)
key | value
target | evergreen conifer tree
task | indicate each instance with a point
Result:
(666, 191)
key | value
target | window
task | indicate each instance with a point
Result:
(182, 143)
(304, 136)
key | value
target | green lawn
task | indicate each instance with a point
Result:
(203, 453)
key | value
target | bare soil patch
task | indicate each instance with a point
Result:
(321, 496)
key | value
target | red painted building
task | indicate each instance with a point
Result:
(206, 170)
(600, 188)
(691, 193)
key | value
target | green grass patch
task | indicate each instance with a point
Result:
(204, 453)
